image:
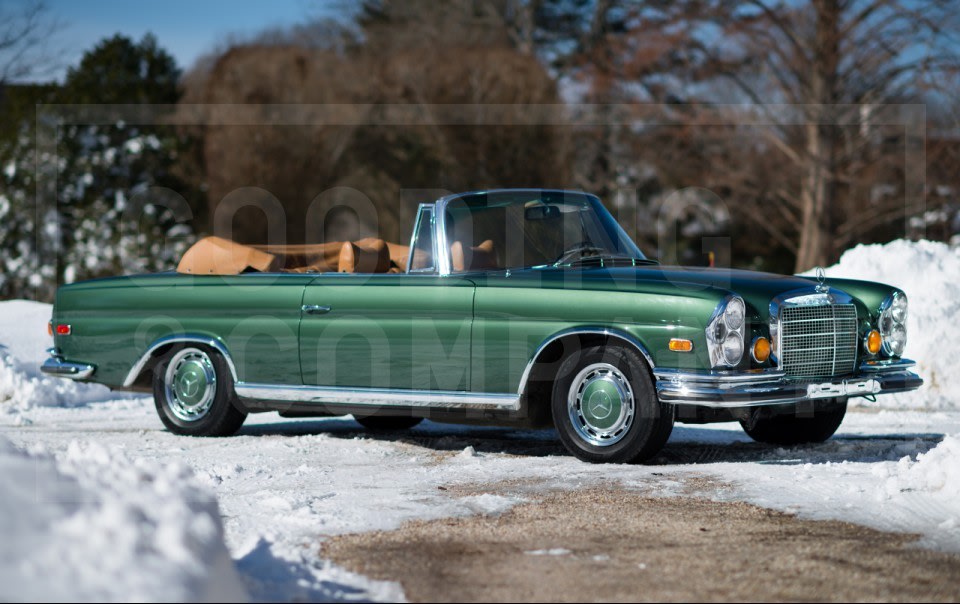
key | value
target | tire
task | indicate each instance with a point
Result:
(193, 393)
(788, 429)
(605, 407)
(387, 423)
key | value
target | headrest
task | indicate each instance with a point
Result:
(365, 256)
(477, 258)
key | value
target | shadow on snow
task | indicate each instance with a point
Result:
(688, 445)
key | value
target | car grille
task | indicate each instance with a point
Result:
(818, 341)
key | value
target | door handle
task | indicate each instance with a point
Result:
(315, 309)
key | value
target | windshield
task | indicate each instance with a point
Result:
(515, 229)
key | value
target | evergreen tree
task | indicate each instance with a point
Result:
(114, 179)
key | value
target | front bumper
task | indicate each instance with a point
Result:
(57, 367)
(772, 387)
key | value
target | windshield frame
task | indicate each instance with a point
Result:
(443, 258)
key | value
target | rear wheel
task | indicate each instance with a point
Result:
(193, 393)
(385, 423)
(605, 407)
(791, 429)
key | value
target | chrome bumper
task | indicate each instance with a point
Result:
(56, 366)
(772, 387)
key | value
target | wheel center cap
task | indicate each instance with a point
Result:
(190, 383)
(600, 404)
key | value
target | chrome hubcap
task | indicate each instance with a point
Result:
(190, 384)
(601, 404)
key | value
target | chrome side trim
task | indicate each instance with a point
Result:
(380, 397)
(57, 367)
(605, 331)
(210, 341)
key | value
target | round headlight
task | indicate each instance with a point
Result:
(719, 331)
(897, 340)
(898, 310)
(732, 348)
(893, 324)
(733, 315)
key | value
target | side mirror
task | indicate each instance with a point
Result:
(541, 212)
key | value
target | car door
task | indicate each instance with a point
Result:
(390, 331)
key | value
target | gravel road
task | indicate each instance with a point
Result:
(612, 544)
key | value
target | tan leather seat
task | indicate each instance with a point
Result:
(477, 258)
(398, 252)
(365, 256)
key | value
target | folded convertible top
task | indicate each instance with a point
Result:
(219, 256)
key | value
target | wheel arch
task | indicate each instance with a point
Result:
(536, 382)
(160, 346)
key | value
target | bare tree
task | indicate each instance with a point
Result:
(829, 65)
(26, 50)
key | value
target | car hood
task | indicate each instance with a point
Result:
(756, 288)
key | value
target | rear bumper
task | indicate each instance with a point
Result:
(57, 367)
(771, 387)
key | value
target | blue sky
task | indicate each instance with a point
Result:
(185, 28)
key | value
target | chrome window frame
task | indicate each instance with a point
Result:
(442, 257)
(421, 210)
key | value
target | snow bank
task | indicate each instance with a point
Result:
(23, 345)
(23, 333)
(94, 525)
(936, 471)
(929, 272)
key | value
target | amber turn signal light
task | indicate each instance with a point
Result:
(49, 328)
(681, 345)
(760, 350)
(873, 341)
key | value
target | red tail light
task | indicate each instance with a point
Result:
(63, 330)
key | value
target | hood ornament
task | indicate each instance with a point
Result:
(822, 287)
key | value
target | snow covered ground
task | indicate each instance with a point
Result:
(97, 484)
(92, 524)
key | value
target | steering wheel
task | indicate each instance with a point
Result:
(579, 250)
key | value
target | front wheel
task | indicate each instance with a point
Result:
(605, 407)
(789, 429)
(193, 393)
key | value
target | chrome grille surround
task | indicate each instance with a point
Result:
(815, 334)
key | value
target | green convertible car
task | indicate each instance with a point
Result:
(522, 308)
